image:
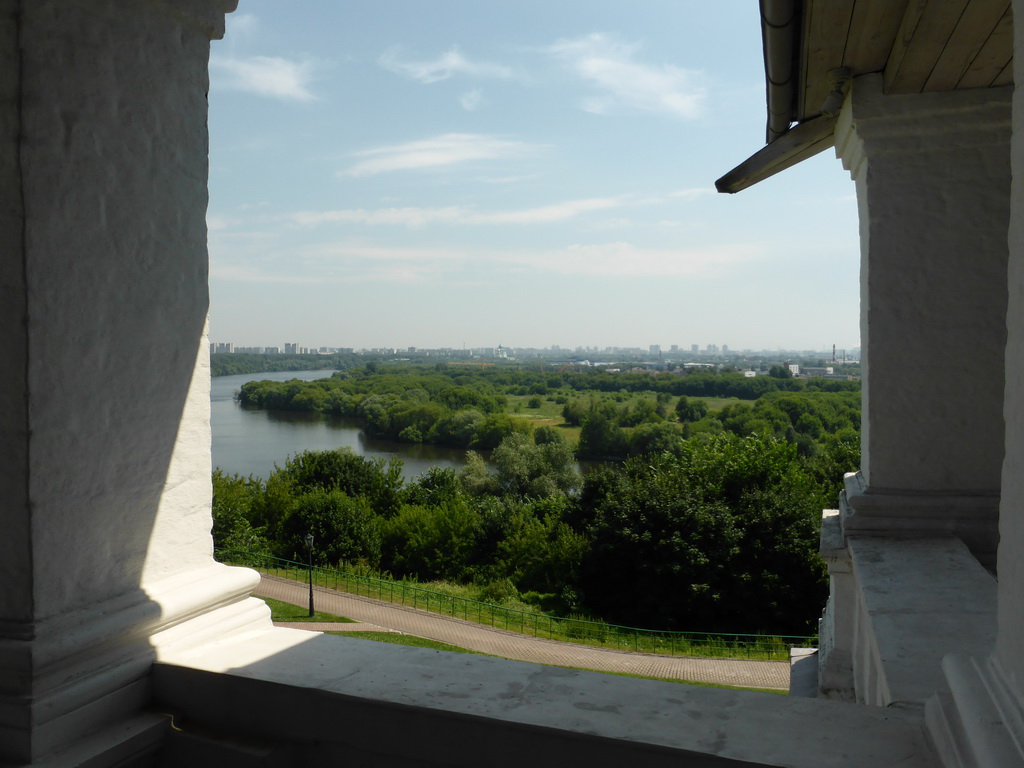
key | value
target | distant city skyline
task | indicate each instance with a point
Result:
(527, 173)
(673, 350)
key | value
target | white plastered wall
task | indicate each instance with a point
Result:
(1010, 643)
(104, 391)
(932, 180)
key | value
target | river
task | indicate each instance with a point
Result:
(251, 442)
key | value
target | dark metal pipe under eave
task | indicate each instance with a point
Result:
(780, 29)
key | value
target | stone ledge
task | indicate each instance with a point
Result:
(972, 517)
(918, 601)
(978, 722)
(323, 694)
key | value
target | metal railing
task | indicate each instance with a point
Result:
(574, 630)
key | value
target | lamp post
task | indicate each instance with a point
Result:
(309, 551)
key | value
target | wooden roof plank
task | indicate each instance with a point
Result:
(993, 57)
(972, 32)
(922, 47)
(827, 24)
(1006, 76)
(873, 30)
(911, 18)
(795, 145)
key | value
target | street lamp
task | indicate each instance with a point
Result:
(309, 550)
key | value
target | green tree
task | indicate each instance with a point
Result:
(601, 438)
(233, 499)
(688, 410)
(379, 482)
(722, 535)
(431, 542)
(528, 469)
(496, 427)
(345, 529)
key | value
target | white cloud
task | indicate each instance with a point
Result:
(694, 193)
(241, 25)
(357, 250)
(506, 179)
(548, 213)
(263, 75)
(448, 64)
(416, 217)
(447, 149)
(628, 260)
(627, 84)
(409, 217)
(245, 273)
(470, 100)
(360, 262)
(216, 222)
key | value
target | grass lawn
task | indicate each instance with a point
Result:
(287, 612)
(718, 403)
(549, 412)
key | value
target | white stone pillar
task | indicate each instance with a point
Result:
(932, 178)
(1010, 639)
(104, 387)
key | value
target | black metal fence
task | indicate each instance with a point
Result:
(574, 630)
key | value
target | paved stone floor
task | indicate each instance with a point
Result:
(375, 615)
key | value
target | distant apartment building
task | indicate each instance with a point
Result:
(818, 372)
(291, 348)
(655, 349)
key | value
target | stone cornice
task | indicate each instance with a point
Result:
(923, 122)
(207, 15)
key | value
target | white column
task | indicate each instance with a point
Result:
(104, 390)
(1010, 643)
(932, 178)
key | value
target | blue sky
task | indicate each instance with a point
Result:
(470, 172)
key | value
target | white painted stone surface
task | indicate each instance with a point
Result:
(392, 706)
(15, 552)
(104, 391)
(1010, 643)
(932, 176)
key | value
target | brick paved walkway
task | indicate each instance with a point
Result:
(510, 645)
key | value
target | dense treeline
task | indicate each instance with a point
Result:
(461, 408)
(800, 418)
(229, 364)
(405, 406)
(715, 532)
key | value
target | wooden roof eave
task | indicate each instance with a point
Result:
(794, 146)
(781, 24)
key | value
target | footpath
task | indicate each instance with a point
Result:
(377, 616)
